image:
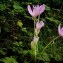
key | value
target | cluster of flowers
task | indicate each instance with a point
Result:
(34, 12)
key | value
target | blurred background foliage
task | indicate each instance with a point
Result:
(16, 31)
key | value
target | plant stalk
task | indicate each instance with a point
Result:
(50, 43)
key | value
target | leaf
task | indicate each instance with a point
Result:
(20, 43)
(9, 60)
(25, 61)
(45, 56)
(24, 29)
(25, 52)
(12, 12)
(27, 17)
(16, 43)
(2, 7)
(40, 58)
(47, 8)
(6, 29)
(30, 34)
(2, 52)
(19, 23)
(51, 19)
(58, 57)
(17, 7)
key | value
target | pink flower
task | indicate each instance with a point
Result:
(42, 8)
(34, 43)
(35, 39)
(39, 25)
(60, 30)
(37, 10)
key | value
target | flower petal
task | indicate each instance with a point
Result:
(59, 29)
(42, 8)
(29, 9)
(36, 10)
(36, 39)
(39, 25)
(33, 12)
(34, 42)
(61, 32)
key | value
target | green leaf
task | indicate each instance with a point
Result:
(24, 29)
(30, 34)
(12, 12)
(25, 61)
(20, 43)
(17, 7)
(40, 58)
(27, 17)
(2, 52)
(47, 8)
(45, 56)
(19, 23)
(9, 60)
(16, 43)
(51, 19)
(6, 29)
(58, 57)
(25, 52)
(2, 7)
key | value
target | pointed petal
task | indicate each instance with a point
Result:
(41, 23)
(35, 10)
(29, 9)
(61, 32)
(37, 25)
(59, 28)
(42, 8)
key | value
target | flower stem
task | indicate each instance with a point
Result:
(35, 55)
(34, 27)
(50, 43)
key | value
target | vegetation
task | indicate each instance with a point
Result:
(16, 32)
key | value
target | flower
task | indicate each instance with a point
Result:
(39, 25)
(42, 8)
(35, 39)
(60, 30)
(37, 10)
(34, 43)
(33, 12)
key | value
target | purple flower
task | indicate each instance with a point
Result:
(42, 8)
(60, 30)
(37, 10)
(39, 25)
